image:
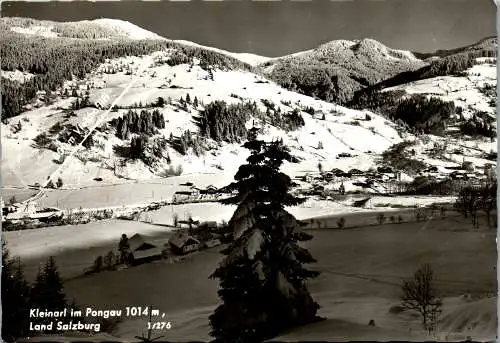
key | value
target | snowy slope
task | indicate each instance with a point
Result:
(125, 28)
(330, 131)
(464, 91)
(114, 28)
(343, 130)
(251, 59)
(337, 133)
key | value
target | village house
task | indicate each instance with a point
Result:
(180, 196)
(328, 176)
(143, 251)
(195, 191)
(209, 190)
(307, 178)
(182, 244)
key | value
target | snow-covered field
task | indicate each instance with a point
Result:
(53, 240)
(42, 241)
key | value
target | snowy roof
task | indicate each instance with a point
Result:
(137, 242)
(180, 241)
(146, 253)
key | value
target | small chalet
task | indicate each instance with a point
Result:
(212, 243)
(337, 172)
(355, 172)
(211, 226)
(195, 191)
(328, 176)
(183, 244)
(209, 190)
(307, 178)
(142, 250)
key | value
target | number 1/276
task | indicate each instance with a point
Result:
(159, 326)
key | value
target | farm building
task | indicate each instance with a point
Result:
(183, 244)
(142, 250)
(209, 190)
(209, 225)
(212, 243)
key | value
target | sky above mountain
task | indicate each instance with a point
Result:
(276, 28)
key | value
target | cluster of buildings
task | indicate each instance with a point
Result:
(199, 236)
(193, 193)
(386, 180)
(17, 212)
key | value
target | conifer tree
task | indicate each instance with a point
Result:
(48, 290)
(15, 304)
(262, 278)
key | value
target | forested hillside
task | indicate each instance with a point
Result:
(55, 60)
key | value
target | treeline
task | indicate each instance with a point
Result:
(222, 122)
(471, 200)
(429, 185)
(226, 123)
(290, 121)
(186, 141)
(480, 124)
(144, 122)
(428, 115)
(487, 47)
(318, 81)
(416, 112)
(397, 158)
(54, 60)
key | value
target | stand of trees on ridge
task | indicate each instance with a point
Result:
(145, 122)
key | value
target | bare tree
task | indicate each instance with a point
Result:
(419, 294)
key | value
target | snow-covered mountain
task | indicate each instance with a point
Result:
(335, 70)
(332, 135)
(102, 28)
(105, 28)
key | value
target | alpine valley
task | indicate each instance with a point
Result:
(109, 129)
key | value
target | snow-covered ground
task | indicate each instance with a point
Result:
(44, 31)
(462, 90)
(343, 130)
(119, 27)
(17, 75)
(251, 59)
(37, 242)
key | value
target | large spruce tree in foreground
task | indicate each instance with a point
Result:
(262, 278)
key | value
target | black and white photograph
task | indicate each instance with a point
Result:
(242, 171)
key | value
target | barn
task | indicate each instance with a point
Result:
(142, 250)
(183, 244)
